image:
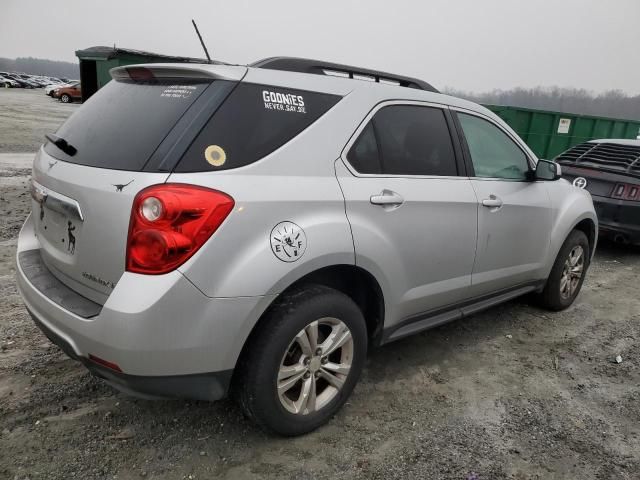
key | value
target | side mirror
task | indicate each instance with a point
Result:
(548, 170)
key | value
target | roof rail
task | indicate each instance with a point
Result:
(318, 67)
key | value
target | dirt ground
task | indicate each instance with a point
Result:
(515, 392)
(25, 117)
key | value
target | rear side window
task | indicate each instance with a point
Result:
(405, 140)
(364, 156)
(124, 122)
(254, 121)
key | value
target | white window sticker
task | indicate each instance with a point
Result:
(564, 125)
(178, 91)
(286, 102)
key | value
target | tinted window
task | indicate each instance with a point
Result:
(412, 140)
(124, 122)
(253, 122)
(493, 153)
(364, 155)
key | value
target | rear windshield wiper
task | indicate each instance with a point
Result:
(62, 144)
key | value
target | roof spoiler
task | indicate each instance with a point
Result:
(318, 67)
(152, 71)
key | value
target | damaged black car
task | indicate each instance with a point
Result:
(610, 170)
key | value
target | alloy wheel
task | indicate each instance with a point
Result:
(572, 272)
(315, 366)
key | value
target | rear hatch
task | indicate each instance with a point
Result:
(126, 137)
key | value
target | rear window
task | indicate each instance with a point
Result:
(254, 121)
(124, 122)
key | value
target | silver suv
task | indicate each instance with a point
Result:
(204, 229)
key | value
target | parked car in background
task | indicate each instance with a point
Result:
(43, 82)
(8, 82)
(50, 89)
(68, 93)
(33, 79)
(30, 79)
(610, 170)
(21, 81)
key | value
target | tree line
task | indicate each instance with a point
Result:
(613, 103)
(40, 66)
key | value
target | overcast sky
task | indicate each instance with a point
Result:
(474, 45)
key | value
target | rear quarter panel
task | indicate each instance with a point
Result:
(238, 260)
(295, 183)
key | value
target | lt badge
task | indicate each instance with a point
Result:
(288, 241)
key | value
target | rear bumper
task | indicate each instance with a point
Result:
(619, 219)
(167, 337)
(203, 386)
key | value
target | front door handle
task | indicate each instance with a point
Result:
(492, 202)
(387, 198)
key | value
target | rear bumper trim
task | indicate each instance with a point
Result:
(618, 217)
(199, 386)
(37, 273)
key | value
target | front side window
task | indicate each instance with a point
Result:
(493, 153)
(405, 140)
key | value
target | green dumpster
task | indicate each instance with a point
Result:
(549, 134)
(95, 63)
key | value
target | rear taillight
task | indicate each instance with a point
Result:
(625, 191)
(170, 222)
(140, 74)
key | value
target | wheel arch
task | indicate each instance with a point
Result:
(588, 227)
(355, 282)
(572, 209)
(359, 285)
(587, 223)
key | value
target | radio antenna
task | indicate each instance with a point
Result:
(206, 52)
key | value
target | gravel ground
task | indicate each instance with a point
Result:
(25, 117)
(515, 392)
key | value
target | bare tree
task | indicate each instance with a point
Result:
(613, 103)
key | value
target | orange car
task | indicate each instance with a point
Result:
(69, 93)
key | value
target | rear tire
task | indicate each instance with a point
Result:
(303, 361)
(64, 98)
(568, 273)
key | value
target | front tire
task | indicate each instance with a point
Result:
(64, 98)
(568, 273)
(303, 361)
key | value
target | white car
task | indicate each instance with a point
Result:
(8, 82)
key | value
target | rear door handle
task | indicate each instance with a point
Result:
(492, 202)
(387, 198)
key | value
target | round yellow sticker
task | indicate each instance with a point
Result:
(215, 155)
